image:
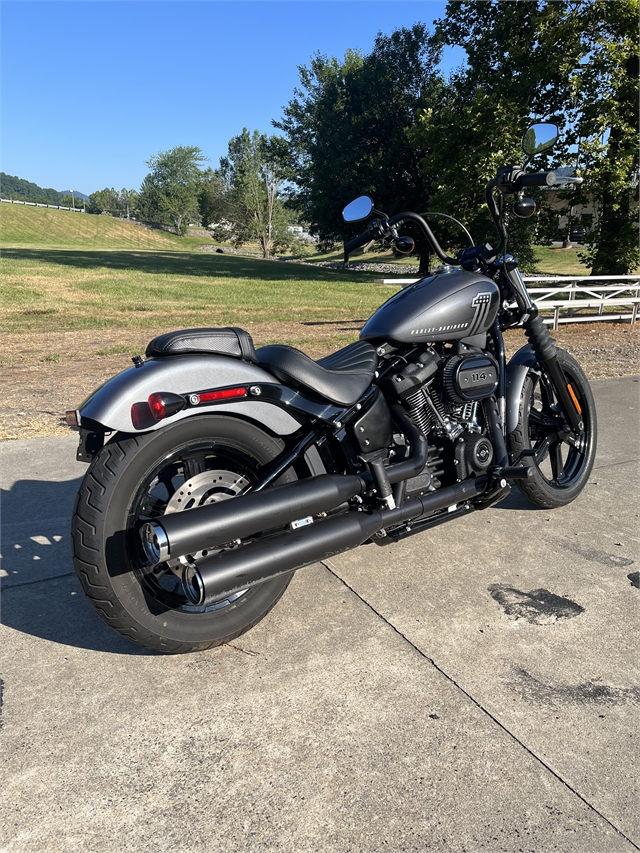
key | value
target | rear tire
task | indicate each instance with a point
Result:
(135, 479)
(561, 466)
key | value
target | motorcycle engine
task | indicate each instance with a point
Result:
(442, 393)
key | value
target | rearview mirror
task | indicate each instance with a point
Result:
(359, 208)
(539, 137)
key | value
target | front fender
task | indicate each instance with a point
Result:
(517, 369)
(110, 404)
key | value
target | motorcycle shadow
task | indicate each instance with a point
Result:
(515, 500)
(41, 596)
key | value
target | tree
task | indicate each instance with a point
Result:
(213, 202)
(103, 201)
(128, 202)
(606, 87)
(121, 203)
(243, 195)
(349, 130)
(169, 193)
(567, 61)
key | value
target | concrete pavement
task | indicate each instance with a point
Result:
(472, 688)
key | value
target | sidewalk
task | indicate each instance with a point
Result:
(474, 687)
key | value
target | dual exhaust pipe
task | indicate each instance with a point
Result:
(184, 533)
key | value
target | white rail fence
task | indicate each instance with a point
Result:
(586, 294)
(37, 204)
(606, 295)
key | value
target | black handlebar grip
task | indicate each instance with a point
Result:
(358, 241)
(540, 179)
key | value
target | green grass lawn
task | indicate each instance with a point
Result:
(93, 275)
(65, 271)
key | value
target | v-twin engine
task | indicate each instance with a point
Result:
(443, 396)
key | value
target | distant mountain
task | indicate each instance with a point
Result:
(76, 194)
(18, 188)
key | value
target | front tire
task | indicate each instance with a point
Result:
(135, 479)
(561, 465)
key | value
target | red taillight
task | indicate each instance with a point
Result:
(163, 404)
(224, 394)
(157, 406)
(141, 416)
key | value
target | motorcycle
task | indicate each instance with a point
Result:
(218, 470)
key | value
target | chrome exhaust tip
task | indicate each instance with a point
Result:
(192, 583)
(154, 543)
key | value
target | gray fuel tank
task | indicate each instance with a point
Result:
(447, 306)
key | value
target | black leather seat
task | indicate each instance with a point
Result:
(341, 377)
(228, 341)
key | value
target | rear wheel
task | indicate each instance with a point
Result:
(561, 463)
(133, 480)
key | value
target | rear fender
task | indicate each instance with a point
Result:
(110, 405)
(517, 369)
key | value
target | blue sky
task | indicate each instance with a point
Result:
(91, 89)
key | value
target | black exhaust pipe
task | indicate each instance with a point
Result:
(181, 533)
(237, 569)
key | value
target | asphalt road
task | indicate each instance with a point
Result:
(472, 688)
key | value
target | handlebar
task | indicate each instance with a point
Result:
(360, 240)
(508, 180)
(540, 179)
(382, 227)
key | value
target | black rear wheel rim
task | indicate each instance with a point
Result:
(162, 587)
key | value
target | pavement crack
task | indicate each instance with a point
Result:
(333, 570)
(7, 586)
(606, 465)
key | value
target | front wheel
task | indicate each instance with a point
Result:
(561, 463)
(136, 479)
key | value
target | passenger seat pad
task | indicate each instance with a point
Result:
(227, 341)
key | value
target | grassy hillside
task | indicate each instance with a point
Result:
(39, 227)
(64, 271)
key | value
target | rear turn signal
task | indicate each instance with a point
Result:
(164, 404)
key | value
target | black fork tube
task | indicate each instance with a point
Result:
(544, 346)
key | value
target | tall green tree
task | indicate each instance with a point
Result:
(214, 202)
(103, 201)
(169, 193)
(113, 202)
(605, 87)
(243, 196)
(564, 60)
(349, 129)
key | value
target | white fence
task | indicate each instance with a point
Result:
(585, 293)
(573, 295)
(37, 204)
